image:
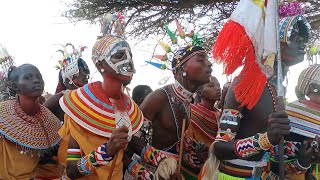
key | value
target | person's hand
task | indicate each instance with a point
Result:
(305, 154)
(315, 149)
(118, 141)
(278, 126)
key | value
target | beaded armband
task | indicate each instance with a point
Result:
(229, 118)
(225, 136)
(263, 141)
(151, 155)
(89, 163)
(139, 172)
(250, 146)
(73, 154)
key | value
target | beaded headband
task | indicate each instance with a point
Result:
(298, 24)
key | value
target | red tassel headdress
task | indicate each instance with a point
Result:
(242, 43)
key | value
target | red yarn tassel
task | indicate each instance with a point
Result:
(234, 49)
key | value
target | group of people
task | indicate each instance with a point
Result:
(190, 129)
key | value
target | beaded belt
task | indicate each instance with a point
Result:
(235, 170)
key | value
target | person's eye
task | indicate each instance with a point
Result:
(28, 77)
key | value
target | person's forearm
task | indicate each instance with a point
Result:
(241, 148)
(224, 150)
(136, 145)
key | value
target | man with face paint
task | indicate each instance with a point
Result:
(165, 108)
(28, 130)
(100, 119)
(246, 134)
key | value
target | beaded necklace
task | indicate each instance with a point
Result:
(34, 134)
(31, 119)
(94, 111)
(273, 93)
(177, 94)
(121, 114)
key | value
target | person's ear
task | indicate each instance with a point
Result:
(313, 88)
(99, 66)
(15, 87)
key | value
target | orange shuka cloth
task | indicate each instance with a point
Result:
(87, 142)
(13, 164)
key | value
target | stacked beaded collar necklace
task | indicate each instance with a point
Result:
(34, 134)
(93, 110)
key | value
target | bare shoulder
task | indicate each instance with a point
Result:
(53, 101)
(153, 103)
(230, 99)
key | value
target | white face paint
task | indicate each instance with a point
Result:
(121, 62)
(117, 54)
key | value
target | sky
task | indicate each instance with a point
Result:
(32, 31)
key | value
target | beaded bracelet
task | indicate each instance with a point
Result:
(85, 167)
(244, 148)
(73, 154)
(301, 168)
(264, 142)
(152, 155)
(138, 171)
(100, 156)
(89, 163)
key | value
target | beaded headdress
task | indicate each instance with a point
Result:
(112, 42)
(291, 8)
(183, 47)
(298, 24)
(112, 24)
(6, 61)
(69, 61)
